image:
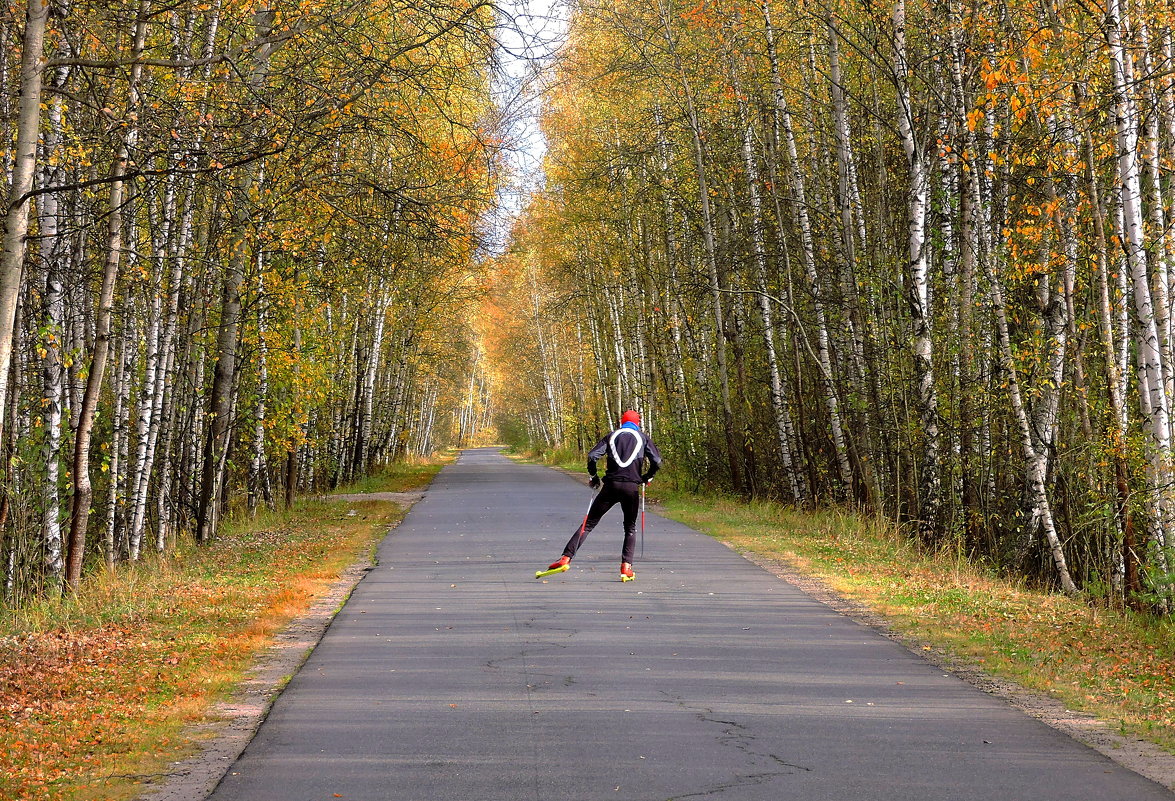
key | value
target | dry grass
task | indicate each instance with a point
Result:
(99, 688)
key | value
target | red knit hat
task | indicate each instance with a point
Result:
(630, 417)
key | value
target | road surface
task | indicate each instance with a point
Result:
(452, 674)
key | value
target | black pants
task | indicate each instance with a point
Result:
(626, 494)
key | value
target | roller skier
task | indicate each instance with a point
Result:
(627, 449)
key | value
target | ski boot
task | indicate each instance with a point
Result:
(558, 566)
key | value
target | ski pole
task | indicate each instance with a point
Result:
(583, 525)
(642, 520)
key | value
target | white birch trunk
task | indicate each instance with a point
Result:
(16, 222)
(257, 466)
(163, 435)
(853, 228)
(547, 363)
(468, 415)
(223, 398)
(53, 397)
(83, 489)
(971, 237)
(1150, 360)
(1126, 557)
(673, 302)
(55, 258)
(808, 257)
(1125, 336)
(1035, 450)
(147, 427)
(1150, 154)
(919, 288)
(782, 414)
(1166, 111)
(123, 361)
(711, 257)
(371, 371)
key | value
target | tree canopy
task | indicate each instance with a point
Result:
(912, 257)
(241, 240)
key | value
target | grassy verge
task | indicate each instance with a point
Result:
(1113, 664)
(571, 460)
(98, 688)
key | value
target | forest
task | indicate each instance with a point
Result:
(238, 254)
(913, 258)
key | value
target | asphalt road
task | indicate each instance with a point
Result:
(452, 674)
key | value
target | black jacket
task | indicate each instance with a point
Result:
(627, 448)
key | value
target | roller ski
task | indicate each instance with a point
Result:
(626, 573)
(561, 566)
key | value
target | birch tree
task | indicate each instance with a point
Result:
(16, 220)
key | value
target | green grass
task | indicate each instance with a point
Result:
(566, 459)
(100, 687)
(1117, 665)
(399, 477)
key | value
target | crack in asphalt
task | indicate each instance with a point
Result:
(749, 780)
(531, 648)
(739, 737)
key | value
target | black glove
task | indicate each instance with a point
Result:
(595, 482)
(646, 479)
